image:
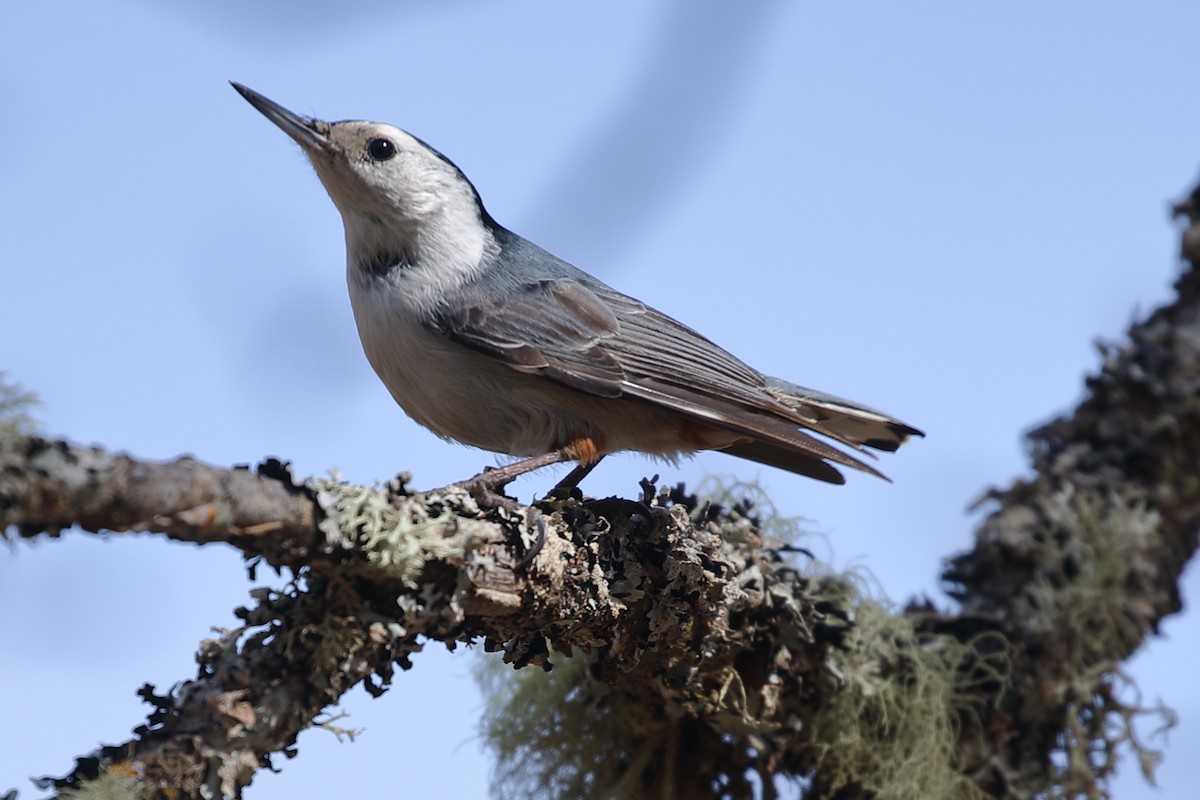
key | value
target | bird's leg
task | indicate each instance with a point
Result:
(572, 478)
(487, 485)
(585, 449)
(486, 488)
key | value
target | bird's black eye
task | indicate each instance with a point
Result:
(381, 149)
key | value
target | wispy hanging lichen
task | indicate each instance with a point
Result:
(15, 405)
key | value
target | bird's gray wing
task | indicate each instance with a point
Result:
(595, 339)
(553, 327)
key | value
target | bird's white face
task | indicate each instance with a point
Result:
(373, 169)
(402, 202)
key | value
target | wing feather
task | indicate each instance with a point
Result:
(590, 337)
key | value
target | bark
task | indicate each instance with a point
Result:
(1078, 564)
(644, 584)
(706, 650)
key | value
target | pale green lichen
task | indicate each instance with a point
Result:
(893, 729)
(110, 786)
(399, 537)
(15, 404)
(1089, 572)
(559, 734)
(773, 526)
(1082, 594)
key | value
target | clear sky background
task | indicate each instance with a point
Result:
(934, 208)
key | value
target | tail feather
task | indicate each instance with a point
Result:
(790, 459)
(774, 433)
(773, 437)
(860, 424)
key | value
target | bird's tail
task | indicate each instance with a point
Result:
(849, 423)
(853, 422)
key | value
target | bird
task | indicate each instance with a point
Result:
(488, 340)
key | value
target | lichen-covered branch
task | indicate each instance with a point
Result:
(1078, 564)
(51, 485)
(684, 612)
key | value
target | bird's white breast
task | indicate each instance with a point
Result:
(454, 391)
(470, 397)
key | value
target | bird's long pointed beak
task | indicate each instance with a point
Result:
(309, 133)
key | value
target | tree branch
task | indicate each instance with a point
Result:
(1079, 563)
(648, 583)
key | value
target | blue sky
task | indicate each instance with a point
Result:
(932, 208)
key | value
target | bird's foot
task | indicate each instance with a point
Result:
(487, 487)
(489, 491)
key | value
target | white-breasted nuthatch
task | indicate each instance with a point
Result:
(486, 339)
